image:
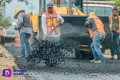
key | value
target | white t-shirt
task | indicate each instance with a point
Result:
(44, 26)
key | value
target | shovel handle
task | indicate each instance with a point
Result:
(49, 34)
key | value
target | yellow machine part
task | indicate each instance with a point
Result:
(64, 11)
(81, 13)
(74, 11)
(34, 21)
(61, 10)
(30, 15)
(77, 12)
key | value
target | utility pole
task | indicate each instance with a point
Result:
(44, 6)
(31, 6)
(40, 7)
(81, 5)
(70, 7)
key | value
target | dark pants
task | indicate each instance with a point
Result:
(95, 45)
(2, 41)
(115, 44)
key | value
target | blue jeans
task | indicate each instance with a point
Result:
(24, 37)
(115, 44)
(95, 45)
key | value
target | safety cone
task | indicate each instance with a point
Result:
(17, 40)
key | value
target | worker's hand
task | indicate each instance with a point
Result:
(44, 36)
(91, 34)
(59, 21)
(14, 24)
(118, 31)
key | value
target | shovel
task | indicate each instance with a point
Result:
(49, 34)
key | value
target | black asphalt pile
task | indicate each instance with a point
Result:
(48, 51)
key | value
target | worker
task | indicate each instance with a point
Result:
(95, 28)
(2, 36)
(115, 28)
(25, 29)
(51, 21)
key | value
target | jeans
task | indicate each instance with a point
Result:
(115, 44)
(24, 37)
(95, 45)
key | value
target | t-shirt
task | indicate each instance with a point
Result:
(115, 24)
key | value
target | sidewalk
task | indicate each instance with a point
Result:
(7, 62)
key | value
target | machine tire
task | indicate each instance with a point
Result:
(86, 55)
(77, 54)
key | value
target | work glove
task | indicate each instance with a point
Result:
(59, 22)
(44, 36)
(15, 26)
(118, 31)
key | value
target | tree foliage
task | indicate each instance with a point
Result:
(5, 22)
(3, 2)
(117, 2)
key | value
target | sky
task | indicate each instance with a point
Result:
(10, 8)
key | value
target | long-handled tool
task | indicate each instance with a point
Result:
(49, 33)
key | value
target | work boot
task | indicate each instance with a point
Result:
(98, 61)
(112, 58)
(92, 61)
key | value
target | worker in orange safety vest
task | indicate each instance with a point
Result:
(95, 28)
(51, 21)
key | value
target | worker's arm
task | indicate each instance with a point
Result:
(20, 20)
(110, 23)
(44, 26)
(119, 26)
(90, 31)
(60, 18)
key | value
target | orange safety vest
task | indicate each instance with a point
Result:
(99, 25)
(111, 22)
(52, 21)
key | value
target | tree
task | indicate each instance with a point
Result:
(5, 22)
(3, 2)
(117, 2)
